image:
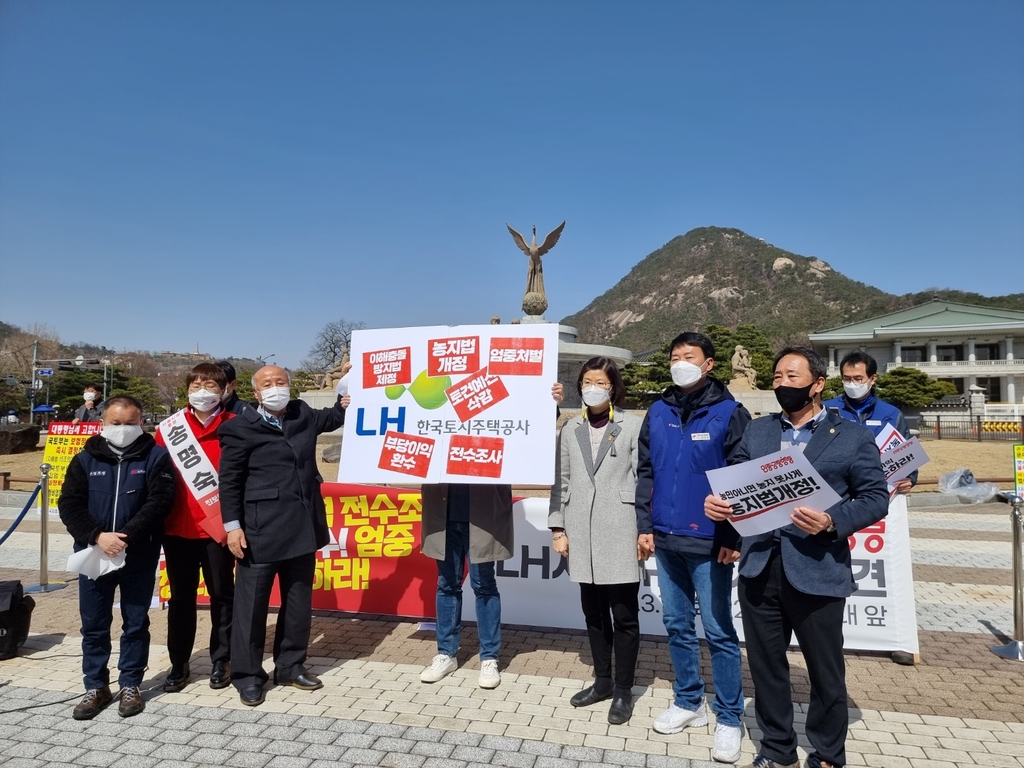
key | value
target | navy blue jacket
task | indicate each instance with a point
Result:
(874, 417)
(846, 457)
(130, 494)
(671, 466)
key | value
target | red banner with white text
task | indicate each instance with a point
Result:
(373, 562)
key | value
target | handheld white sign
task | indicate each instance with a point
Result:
(765, 491)
(452, 404)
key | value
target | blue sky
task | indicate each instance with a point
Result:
(236, 174)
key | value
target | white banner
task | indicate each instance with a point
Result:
(439, 404)
(536, 590)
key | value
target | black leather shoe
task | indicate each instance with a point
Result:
(903, 657)
(252, 695)
(177, 678)
(589, 696)
(94, 702)
(621, 709)
(220, 677)
(307, 681)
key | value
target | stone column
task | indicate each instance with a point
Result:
(831, 358)
(1011, 389)
(933, 355)
(970, 350)
(1009, 347)
(897, 352)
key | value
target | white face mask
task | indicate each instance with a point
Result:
(228, 392)
(595, 396)
(685, 374)
(89, 396)
(857, 391)
(275, 398)
(122, 435)
(204, 400)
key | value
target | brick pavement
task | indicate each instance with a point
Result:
(961, 705)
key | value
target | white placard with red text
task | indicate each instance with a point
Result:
(880, 616)
(452, 404)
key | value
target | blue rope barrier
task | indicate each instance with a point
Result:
(24, 512)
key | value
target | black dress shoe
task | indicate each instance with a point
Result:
(177, 678)
(252, 695)
(307, 681)
(94, 702)
(220, 677)
(589, 696)
(621, 709)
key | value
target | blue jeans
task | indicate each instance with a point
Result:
(450, 575)
(96, 606)
(681, 577)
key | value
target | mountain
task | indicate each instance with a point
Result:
(719, 275)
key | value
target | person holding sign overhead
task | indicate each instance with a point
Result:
(194, 535)
(795, 579)
(468, 522)
(593, 523)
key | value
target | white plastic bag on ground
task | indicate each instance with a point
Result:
(961, 482)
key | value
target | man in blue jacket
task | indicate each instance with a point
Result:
(697, 425)
(796, 579)
(115, 496)
(859, 403)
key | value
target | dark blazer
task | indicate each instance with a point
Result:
(269, 480)
(846, 457)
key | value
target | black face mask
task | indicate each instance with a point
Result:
(792, 399)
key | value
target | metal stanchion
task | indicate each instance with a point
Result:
(1014, 650)
(44, 584)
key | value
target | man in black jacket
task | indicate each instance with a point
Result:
(232, 403)
(115, 497)
(276, 521)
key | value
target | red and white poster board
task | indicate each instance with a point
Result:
(459, 404)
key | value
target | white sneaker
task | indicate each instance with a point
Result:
(675, 718)
(440, 667)
(727, 743)
(489, 675)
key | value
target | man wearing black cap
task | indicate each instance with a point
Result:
(231, 402)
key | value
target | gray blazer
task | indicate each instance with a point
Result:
(491, 530)
(593, 500)
(846, 457)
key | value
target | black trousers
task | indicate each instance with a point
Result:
(773, 610)
(612, 614)
(185, 558)
(253, 585)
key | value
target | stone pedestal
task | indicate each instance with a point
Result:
(18, 438)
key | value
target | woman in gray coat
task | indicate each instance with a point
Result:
(593, 523)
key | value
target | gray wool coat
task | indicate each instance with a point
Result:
(593, 500)
(491, 529)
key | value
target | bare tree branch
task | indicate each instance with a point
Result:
(331, 344)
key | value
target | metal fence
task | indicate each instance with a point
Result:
(978, 428)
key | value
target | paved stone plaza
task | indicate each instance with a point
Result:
(960, 706)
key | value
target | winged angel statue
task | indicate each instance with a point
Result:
(535, 301)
